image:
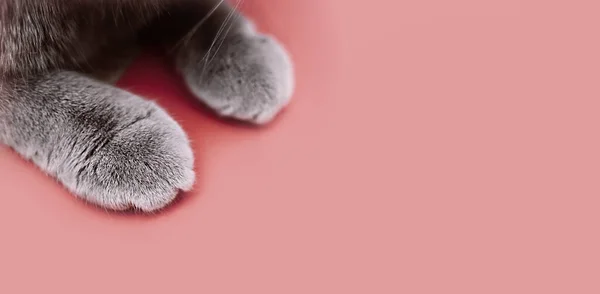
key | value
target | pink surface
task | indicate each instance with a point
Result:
(433, 147)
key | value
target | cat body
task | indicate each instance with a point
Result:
(43, 35)
(106, 145)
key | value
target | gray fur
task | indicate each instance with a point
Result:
(106, 145)
(249, 79)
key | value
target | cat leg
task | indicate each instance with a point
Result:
(228, 65)
(106, 145)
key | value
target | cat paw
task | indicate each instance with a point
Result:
(141, 162)
(249, 77)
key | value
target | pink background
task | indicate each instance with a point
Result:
(433, 146)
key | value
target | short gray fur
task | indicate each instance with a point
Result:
(106, 145)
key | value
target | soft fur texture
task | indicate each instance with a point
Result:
(106, 145)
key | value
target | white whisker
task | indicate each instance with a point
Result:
(223, 25)
(231, 23)
(185, 40)
(228, 22)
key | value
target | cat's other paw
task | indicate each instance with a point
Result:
(107, 146)
(141, 162)
(249, 77)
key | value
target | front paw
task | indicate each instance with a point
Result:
(249, 77)
(142, 161)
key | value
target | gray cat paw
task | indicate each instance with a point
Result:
(249, 77)
(141, 163)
